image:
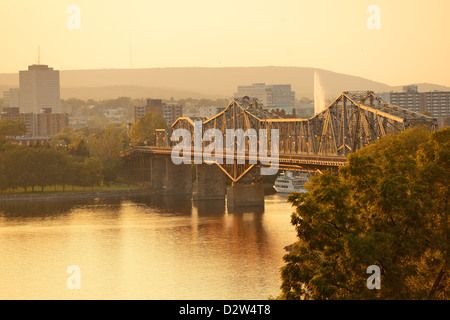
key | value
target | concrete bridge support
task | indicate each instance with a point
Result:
(145, 165)
(210, 183)
(249, 191)
(178, 178)
(158, 173)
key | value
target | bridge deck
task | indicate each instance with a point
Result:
(283, 159)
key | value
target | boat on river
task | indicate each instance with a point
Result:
(288, 182)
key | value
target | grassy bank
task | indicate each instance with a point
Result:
(70, 189)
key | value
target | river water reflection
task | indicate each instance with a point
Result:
(152, 247)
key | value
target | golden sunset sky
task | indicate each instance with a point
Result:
(412, 45)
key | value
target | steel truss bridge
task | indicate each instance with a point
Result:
(353, 120)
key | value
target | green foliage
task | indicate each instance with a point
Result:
(107, 145)
(10, 127)
(28, 167)
(73, 104)
(92, 171)
(95, 109)
(388, 207)
(144, 130)
(82, 157)
(79, 148)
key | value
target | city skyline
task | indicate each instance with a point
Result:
(408, 47)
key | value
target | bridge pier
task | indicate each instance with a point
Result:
(210, 183)
(158, 173)
(145, 164)
(178, 178)
(249, 191)
(133, 169)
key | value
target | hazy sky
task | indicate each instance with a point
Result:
(412, 46)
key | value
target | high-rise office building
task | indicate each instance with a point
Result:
(39, 89)
(11, 98)
(36, 102)
(278, 95)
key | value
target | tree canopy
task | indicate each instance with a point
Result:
(143, 130)
(387, 207)
(9, 127)
(27, 167)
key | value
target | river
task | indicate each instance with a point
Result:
(146, 247)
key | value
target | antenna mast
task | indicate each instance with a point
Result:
(131, 61)
(39, 54)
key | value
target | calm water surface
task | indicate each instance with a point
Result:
(154, 247)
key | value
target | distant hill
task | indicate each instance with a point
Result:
(203, 82)
(424, 87)
(112, 92)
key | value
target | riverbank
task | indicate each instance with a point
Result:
(74, 195)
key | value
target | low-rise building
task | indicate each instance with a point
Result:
(28, 141)
(44, 124)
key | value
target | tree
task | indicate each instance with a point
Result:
(78, 175)
(434, 160)
(3, 181)
(78, 148)
(387, 207)
(45, 167)
(64, 168)
(143, 130)
(16, 163)
(9, 127)
(3, 177)
(107, 145)
(73, 104)
(93, 168)
(96, 122)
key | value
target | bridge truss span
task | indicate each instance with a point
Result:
(352, 121)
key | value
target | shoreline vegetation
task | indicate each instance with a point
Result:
(77, 193)
(114, 190)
